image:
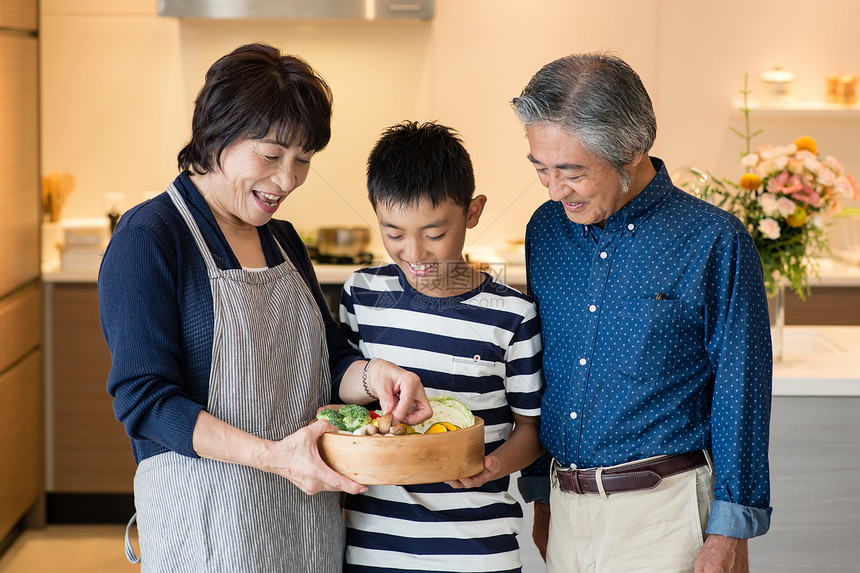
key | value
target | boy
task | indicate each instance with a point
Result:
(466, 335)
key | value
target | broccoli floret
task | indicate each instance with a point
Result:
(354, 416)
(331, 416)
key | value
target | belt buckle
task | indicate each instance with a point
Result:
(577, 486)
(573, 477)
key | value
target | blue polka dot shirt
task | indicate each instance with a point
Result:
(657, 341)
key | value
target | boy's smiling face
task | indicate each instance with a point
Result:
(426, 242)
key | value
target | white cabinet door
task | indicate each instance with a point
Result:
(815, 488)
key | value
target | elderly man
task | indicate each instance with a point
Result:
(657, 351)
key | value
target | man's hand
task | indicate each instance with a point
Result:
(722, 554)
(540, 529)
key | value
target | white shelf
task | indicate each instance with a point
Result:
(808, 110)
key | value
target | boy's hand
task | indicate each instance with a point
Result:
(492, 470)
(400, 392)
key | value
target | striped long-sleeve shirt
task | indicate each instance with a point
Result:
(482, 347)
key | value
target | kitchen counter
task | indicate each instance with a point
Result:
(819, 361)
(326, 274)
(834, 273)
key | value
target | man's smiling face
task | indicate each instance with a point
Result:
(589, 189)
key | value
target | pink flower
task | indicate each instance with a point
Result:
(810, 161)
(750, 160)
(767, 201)
(825, 176)
(770, 166)
(846, 185)
(807, 195)
(785, 183)
(785, 206)
(766, 152)
(769, 228)
(795, 166)
(834, 165)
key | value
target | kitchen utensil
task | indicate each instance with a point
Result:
(56, 189)
(343, 241)
(832, 89)
(848, 89)
(778, 84)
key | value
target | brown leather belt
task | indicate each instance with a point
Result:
(637, 476)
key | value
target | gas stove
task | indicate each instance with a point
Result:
(361, 259)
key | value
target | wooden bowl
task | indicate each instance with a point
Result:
(403, 460)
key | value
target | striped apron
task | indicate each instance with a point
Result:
(269, 375)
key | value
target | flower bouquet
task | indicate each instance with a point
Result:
(783, 199)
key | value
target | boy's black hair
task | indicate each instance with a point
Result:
(413, 161)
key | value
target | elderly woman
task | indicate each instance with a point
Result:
(223, 348)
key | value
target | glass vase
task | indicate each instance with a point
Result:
(776, 311)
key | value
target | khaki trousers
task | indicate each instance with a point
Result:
(655, 531)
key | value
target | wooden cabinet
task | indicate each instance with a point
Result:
(20, 325)
(19, 15)
(825, 305)
(21, 403)
(89, 448)
(20, 187)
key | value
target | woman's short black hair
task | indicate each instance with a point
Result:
(251, 92)
(413, 161)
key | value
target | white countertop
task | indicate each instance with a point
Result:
(326, 274)
(819, 361)
(833, 273)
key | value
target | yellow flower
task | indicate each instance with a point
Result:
(807, 143)
(750, 181)
(798, 218)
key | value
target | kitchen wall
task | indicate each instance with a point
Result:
(118, 83)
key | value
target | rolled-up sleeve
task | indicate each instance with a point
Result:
(739, 346)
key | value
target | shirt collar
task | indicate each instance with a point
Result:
(634, 213)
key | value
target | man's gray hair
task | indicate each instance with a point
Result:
(599, 99)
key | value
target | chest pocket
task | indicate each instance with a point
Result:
(649, 347)
(465, 362)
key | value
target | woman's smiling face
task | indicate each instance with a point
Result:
(256, 175)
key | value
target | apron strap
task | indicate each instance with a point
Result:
(129, 548)
(173, 192)
(195, 230)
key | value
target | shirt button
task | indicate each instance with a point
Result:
(573, 415)
(592, 308)
(582, 361)
(603, 255)
(573, 466)
(631, 226)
